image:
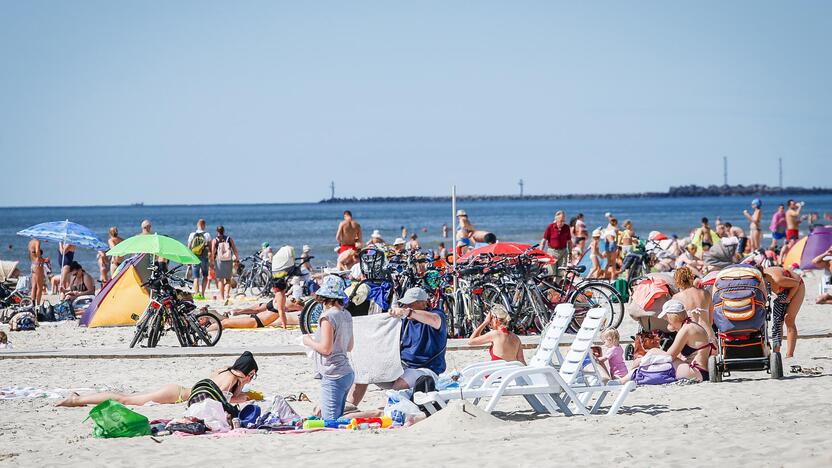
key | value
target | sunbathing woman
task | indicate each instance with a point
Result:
(231, 380)
(697, 301)
(690, 348)
(267, 313)
(790, 291)
(505, 345)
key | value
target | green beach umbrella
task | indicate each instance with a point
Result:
(161, 246)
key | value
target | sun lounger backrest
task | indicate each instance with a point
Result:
(575, 357)
(547, 353)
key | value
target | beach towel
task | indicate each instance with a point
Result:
(646, 292)
(375, 355)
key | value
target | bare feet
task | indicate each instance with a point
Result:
(70, 401)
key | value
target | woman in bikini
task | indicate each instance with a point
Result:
(267, 313)
(38, 279)
(80, 284)
(113, 241)
(696, 301)
(790, 291)
(690, 348)
(755, 236)
(505, 345)
(595, 255)
(230, 380)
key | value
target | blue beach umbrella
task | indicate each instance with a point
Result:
(66, 232)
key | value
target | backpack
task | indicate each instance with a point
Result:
(198, 244)
(45, 312)
(654, 374)
(23, 320)
(63, 311)
(224, 252)
(739, 297)
(283, 261)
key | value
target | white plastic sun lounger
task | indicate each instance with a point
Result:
(548, 351)
(545, 387)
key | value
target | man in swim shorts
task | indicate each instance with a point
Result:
(793, 220)
(349, 234)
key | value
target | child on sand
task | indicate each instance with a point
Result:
(330, 345)
(612, 358)
(505, 345)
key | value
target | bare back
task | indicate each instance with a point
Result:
(792, 218)
(506, 345)
(694, 298)
(349, 232)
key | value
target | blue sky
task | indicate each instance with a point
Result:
(209, 102)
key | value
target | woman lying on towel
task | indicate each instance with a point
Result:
(505, 345)
(266, 313)
(225, 386)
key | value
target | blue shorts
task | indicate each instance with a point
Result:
(778, 235)
(200, 270)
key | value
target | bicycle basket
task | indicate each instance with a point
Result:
(372, 263)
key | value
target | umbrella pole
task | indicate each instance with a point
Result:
(453, 232)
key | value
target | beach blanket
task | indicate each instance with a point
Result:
(18, 393)
(375, 355)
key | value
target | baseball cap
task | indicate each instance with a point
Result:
(413, 295)
(672, 307)
(306, 248)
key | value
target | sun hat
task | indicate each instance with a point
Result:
(672, 307)
(332, 287)
(306, 248)
(399, 241)
(413, 295)
(596, 233)
(376, 234)
(461, 213)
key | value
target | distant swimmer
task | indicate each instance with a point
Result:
(349, 235)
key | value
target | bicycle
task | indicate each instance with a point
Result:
(255, 278)
(173, 309)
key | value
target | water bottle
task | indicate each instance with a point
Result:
(235, 423)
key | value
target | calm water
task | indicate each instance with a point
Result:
(315, 224)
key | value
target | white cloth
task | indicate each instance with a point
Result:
(375, 356)
(212, 413)
(18, 393)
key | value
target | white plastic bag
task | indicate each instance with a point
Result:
(407, 407)
(211, 413)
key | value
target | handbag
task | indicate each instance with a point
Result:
(46, 312)
(645, 340)
(654, 374)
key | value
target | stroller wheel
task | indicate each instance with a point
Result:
(629, 351)
(776, 365)
(714, 370)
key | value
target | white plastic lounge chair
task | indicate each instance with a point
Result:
(543, 386)
(548, 351)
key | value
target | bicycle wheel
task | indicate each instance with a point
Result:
(141, 328)
(450, 315)
(206, 328)
(590, 296)
(308, 319)
(26, 302)
(259, 283)
(180, 329)
(154, 332)
(615, 299)
(243, 283)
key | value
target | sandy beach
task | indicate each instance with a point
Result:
(749, 420)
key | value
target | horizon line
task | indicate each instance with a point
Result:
(393, 199)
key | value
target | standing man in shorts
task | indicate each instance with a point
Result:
(793, 220)
(557, 239)
(349, 234)
(199, 242)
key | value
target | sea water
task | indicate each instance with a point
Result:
(315, 224)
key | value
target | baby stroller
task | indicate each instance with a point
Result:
(649, 295)
(741, 314)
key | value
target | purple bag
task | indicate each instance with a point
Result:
(654, 374)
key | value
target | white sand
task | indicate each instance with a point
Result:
(749, 420)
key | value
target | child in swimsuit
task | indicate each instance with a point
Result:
(505, 345)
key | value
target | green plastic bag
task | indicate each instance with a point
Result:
(620, 285)
(112, 419)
